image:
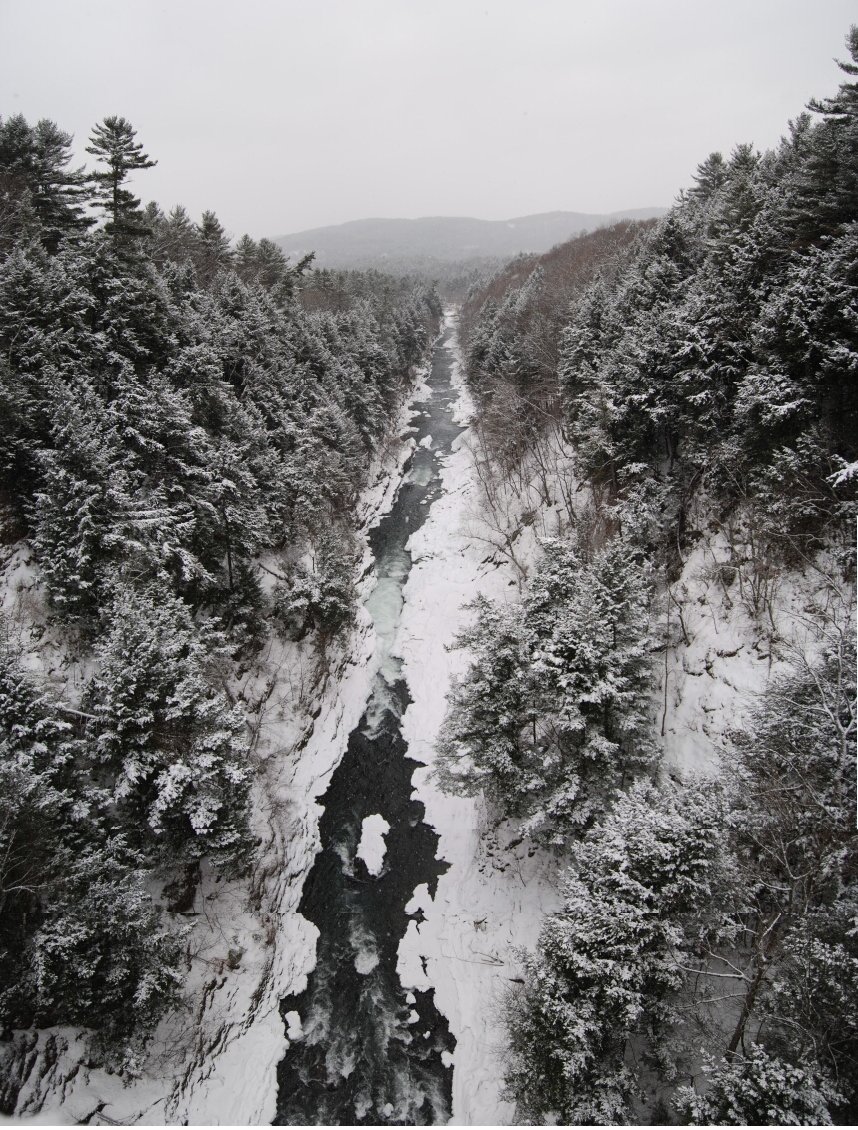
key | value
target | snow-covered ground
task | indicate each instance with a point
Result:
(494, 895)
(729, 637)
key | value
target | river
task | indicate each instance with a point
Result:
(362, 1049)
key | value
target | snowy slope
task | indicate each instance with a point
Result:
(723, 640)
(214, 1062)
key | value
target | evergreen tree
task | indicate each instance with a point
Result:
(100, 957)
(60, 192)
(213, 253)
(163, 737)
(323, 597)
(176, 238)
(608, 966)
(113, 144)
(758, 1089)
(551, 717)
(79, 510)
(246, 259)
(40, 196)
(826, 195)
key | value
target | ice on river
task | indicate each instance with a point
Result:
(385, 603)
(372, 847)
(464, 941)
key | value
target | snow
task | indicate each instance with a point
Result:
(372, 847)
(726, 651)
(221, 1066)
(215, 1062)
(489, 902)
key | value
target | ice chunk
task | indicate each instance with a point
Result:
(372, 847)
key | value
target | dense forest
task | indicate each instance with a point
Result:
(185, 425)
(666, 390)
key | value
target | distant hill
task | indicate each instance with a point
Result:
(417, 244)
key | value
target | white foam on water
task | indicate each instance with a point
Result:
(344, 856)
(366, 954)
(383, 700)
(420, 475)
(366, 961)
(385, 607)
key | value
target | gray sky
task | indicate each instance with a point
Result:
(286, 114)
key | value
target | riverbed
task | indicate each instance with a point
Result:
(363, 1049)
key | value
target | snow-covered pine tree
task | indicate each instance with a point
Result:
(80, 506)
(101, 957)
(163, 738)
(113, 144)
(214, 253)
(550, 719)
(609, 965)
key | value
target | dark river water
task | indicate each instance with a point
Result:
(372, 1053)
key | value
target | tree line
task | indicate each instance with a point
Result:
(701, 372)
(178, 423)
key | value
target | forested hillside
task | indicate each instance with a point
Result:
(434, 243)
(185, 425)
(675, 408)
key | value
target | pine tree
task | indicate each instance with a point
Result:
(163, 736)
(176, 238)
(41, 197)
(710, 176)
(101, 958)
(608, 965)
(60, 192)
(80, 506)
(826, 186)
(113, 144)
(214, 253)
(758, 1089)
(246, 259)
(551, 717)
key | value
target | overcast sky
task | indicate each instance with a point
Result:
(286, 114)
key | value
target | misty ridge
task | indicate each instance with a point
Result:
(402, 245)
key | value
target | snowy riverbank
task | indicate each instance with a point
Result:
(215, 1061)
(493, 897)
